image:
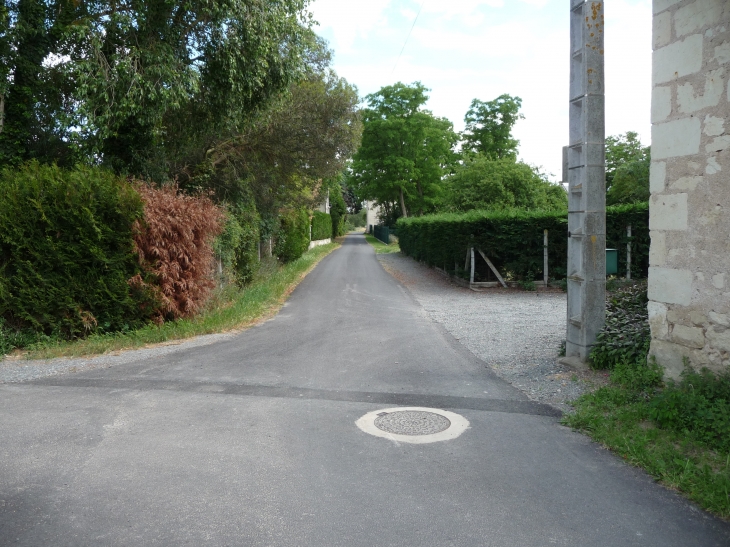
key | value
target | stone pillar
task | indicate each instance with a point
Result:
(689, 260)
(586, 181)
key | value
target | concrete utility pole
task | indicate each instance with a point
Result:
(586, 181)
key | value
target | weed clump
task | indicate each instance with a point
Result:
(626, 336)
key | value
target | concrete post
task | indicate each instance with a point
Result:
(586, 181)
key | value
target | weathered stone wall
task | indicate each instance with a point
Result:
(689, 274)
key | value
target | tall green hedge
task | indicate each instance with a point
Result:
(66, 250)
(338, 212)
(237, 246)
(321, 226)
(513, 240)
(293, 237)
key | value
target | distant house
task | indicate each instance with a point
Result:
(373, 214)
(689, 274)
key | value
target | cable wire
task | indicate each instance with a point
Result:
(407, 37)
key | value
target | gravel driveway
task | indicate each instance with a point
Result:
(517, 333)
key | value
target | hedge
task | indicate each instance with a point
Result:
(67, 252)
(513, 240)
(292, 238)
(321, 226)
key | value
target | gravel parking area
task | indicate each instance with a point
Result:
(517, 333)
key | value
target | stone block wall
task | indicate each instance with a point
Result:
(689, 273)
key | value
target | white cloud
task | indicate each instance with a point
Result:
(347, 21)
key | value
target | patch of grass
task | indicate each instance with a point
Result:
(623, 417)
(380, 247)
(230, 309)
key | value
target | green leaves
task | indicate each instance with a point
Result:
(489, 127)
(405, 150)
(66, 250)
(484, 183)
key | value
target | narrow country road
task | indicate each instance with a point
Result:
(252, 442)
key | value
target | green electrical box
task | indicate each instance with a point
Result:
(611, 261)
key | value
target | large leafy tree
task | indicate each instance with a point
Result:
(489, 126)
(32, 90)
(405, 151)
(122, 71)
(286, 155)
(484, 183)
(627, 169)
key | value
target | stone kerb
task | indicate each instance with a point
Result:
(689, 288)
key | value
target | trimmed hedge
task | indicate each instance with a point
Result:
(293, 236)
(67, 251)
(321, 226)
(513, 239)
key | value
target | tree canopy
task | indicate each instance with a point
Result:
(405, 150)
(108, 78)
(481, 182)
(489, 126)
(627, 169)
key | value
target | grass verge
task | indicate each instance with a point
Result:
(380, 247)
(229, 310)
(620, 417)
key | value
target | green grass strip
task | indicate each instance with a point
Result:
(230, 310)
(380, 247)
(619, 419)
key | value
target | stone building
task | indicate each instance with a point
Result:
(689, 274)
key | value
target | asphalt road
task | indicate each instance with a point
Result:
(252, 442)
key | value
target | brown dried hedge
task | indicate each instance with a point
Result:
(175, 247)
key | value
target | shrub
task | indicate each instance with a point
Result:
(66, 251)
(247, 250)
(338, 212)
(175, 247)
(699, 404)
(626, 336)
(293, 237)
(321, 226)
(513, 239)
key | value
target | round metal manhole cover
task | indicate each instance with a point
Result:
(412, 422)
(416, 425)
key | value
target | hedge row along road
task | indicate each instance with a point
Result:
(253, 441)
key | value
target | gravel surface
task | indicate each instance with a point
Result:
(517, 333)
(21, 370)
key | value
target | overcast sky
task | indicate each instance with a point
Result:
(466, 49)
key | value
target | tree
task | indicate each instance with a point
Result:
(286, 153)
(627, 169)
(405, 150)
(31, 91)
(489, 127)
(485, 183)
(112, 78)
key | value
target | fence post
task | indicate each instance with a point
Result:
(628, 252)
(544, 267)
(471, 277)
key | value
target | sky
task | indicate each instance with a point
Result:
(467, 49)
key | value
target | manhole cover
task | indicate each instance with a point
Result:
(412, 422)
(416, 425)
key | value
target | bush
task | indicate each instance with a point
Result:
(338, 212)
(513, 239)
(293, 237)
(626, 336)
(321, 226)
(175, 247)
(699, 404)
(66, 251)
(237, 245)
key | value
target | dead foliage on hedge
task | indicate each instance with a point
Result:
(175, 247)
